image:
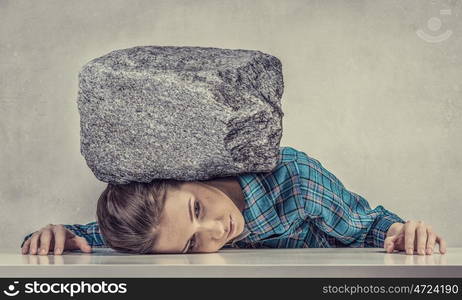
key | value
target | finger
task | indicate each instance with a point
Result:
(388, 244)
(69, 243)
(442, 244)
(409, 236)
(78, 243)
(45, 240)
(421, 238)
(430, 240)
(399, 243)
(59, 232)
(33, 243)
(396, 237)
(391, 242)
(82, 244)
(25, 247)
(69, 233)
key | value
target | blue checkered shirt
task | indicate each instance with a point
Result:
(299, 204)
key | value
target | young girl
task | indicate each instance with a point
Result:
(299, 204)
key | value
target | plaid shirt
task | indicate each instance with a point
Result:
(299, 204)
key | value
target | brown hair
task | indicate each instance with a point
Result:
(128, 214)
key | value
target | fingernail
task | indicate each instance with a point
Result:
(42, 250)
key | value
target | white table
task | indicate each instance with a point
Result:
(308, 262)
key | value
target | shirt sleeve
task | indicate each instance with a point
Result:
(88, 231)
(338, 212)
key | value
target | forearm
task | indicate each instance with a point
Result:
(378, 231)
(88, 231)
(338, 212)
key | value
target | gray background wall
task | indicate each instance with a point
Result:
(379, 106)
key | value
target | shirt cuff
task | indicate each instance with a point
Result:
(378, 233)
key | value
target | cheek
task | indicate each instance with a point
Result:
(218, 201)
(216, 207)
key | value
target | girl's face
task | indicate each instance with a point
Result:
(197, 217)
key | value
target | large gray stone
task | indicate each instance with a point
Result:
(188, 113)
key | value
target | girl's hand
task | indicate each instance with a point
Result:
(413, 235)
(56, 238)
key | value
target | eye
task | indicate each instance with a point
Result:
(197, 209)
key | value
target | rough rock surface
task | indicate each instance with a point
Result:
(187, 113)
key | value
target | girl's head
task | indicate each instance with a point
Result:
(167, 216)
